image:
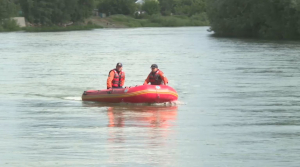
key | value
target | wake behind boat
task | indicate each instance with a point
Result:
(137, 94)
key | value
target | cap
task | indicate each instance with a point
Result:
(154, 66)
(119, 64)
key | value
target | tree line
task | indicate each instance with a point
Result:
(164, 7)
(8, 8)
(48, 12)
(55, 12)
(278, 19)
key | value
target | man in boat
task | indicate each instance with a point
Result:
(156, 77)
(116, 77)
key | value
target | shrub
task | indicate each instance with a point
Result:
(57, 28)
(9, 25)
(1, 29)
(162, 21)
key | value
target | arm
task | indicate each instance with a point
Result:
(146, 81)
(109, 79)
(164, 78)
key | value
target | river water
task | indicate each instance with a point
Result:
(239, 100)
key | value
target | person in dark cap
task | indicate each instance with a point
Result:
(116, 77)
(156, 77)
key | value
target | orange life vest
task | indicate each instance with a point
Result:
(155, 78)
(118, 78)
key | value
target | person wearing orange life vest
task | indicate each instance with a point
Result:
(156, 77)
(116, 77)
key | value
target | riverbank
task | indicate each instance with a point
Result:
(11, 26)
(57, 28)
(120, 21)
(123, 21)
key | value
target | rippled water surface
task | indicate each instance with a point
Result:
(239, 100)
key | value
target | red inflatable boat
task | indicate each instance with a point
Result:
(137, 94)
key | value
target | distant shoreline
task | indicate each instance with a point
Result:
(120, 21)
(61, 29)
(123, 21)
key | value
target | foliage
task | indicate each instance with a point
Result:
(182, 7)
(164, 7)
(178, 21)
(279, 19)
(110, 7)
(49, 12)
(151, 7)
(58, 28)
(127, 20)
(189, 7)
(7, 10)
(162, 21)
(10, 25)
(167, 7)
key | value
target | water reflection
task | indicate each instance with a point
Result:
(132, 130)
(140, 128)
(141, 116)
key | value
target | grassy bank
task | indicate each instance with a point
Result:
(161, 21)
(2, 29)
(11, 25)
(117, 21)
(58, 28)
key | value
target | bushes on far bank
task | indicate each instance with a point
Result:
(9, 25)
(162, 21)
(55, 12)
(129, 21)
(179, 21)
(58, 28)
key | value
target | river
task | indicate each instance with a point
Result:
(239, 100)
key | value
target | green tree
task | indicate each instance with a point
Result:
(126, 7)
(189, 7)
(278, 19)
(48, 12)
(7, 9)
(83, 9)
(151, 7)
(182, 7)
(167, 7)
